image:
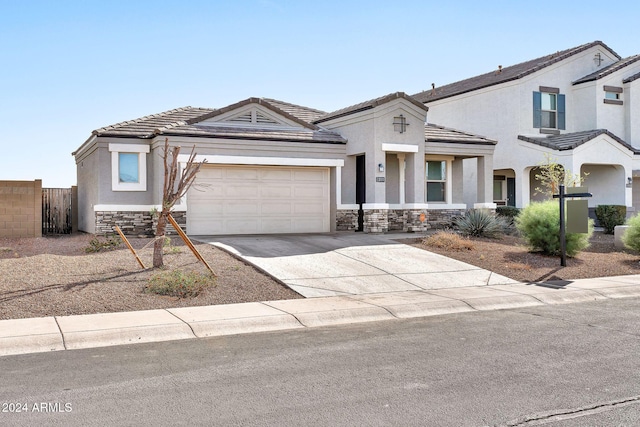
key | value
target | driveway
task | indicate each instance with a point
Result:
(330, 264)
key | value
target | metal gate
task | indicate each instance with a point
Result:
(56, 211)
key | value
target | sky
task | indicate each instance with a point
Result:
(69, 67)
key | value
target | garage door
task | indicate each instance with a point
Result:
(258, 200)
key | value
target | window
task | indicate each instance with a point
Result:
(128, 167)
(548, 109)
(128, 170)
(497, 190)
(436, 181)
(613, 95)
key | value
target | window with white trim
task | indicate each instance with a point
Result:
(436, 180)
(128, 167)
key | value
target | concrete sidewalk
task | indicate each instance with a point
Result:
(349, 278)
(96, 330)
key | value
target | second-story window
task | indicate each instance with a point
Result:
(548, 109)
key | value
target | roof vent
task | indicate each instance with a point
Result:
(499, 69)
(433, 88)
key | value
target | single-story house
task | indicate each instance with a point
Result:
(276, 167)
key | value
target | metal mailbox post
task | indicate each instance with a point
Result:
(563, 237)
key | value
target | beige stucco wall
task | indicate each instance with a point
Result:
(21, 208)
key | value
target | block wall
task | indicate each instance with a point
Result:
(21, 208)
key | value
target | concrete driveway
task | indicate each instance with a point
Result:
(319, 265)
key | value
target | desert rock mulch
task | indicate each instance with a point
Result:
(54, 276)
(510, 257)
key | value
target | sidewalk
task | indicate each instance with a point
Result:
(21, 336)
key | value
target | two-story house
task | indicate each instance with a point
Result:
(579, 107)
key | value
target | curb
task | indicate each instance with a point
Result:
(44, 334)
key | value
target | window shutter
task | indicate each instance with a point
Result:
(537, 110)
(561, 112)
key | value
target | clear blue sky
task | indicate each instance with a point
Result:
(68, 67)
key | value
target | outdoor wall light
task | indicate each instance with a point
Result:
(380, 167)
(629, 181)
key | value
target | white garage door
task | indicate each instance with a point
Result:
(258, 200)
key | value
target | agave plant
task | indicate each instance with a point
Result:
(480, 223)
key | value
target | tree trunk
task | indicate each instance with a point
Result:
(158, 245)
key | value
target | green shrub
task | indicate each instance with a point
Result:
(631, 237)
(179, 284)
(539, 224)
(108, 244)
(508, 211)
(480, 223)
(611, 215)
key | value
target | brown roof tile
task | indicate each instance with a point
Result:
(435, 133)
(368, 105)
(569, 141)
(608, 70)
(504, 74)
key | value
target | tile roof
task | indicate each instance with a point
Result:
(503, 75)
(435, 133)
(569, 141)
(145, 127)
(631, 78)
(275, 106)
(307, 114)
(256, 133)
(184, 121)
(608, 70)
(368, 105)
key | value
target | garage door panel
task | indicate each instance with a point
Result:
(309, 192)
(309, 175)
(247, 208)
(274, 192)
(307, 225)
(242, 174)
(308, 208)
(276, 209)
(234, 199)
(276, 175)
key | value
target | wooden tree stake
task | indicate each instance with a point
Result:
(188, 242)
(133, 251)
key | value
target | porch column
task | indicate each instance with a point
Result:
(457, 181)
(485, 179)
(401, 157)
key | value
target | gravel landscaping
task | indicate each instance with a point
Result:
(54, 276)
(510, 257)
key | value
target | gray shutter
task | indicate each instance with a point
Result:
(561, 112)
(537, 110)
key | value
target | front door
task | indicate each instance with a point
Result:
(361, 190)
(511, 191)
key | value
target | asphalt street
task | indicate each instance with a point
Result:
(574, 364)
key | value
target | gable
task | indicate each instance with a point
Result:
(252, 115)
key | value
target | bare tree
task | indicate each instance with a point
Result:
(176, 184)
(551, 174)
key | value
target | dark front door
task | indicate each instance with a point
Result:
(361, 190)
(511, 191)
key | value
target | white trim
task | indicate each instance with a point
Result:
(436, 206)
(141, 151)
(213, 159)
(346, 207)
(135, 208)
(400, 148)
(129, 148)
(485, 206)
(375, 206)
(412, 206)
